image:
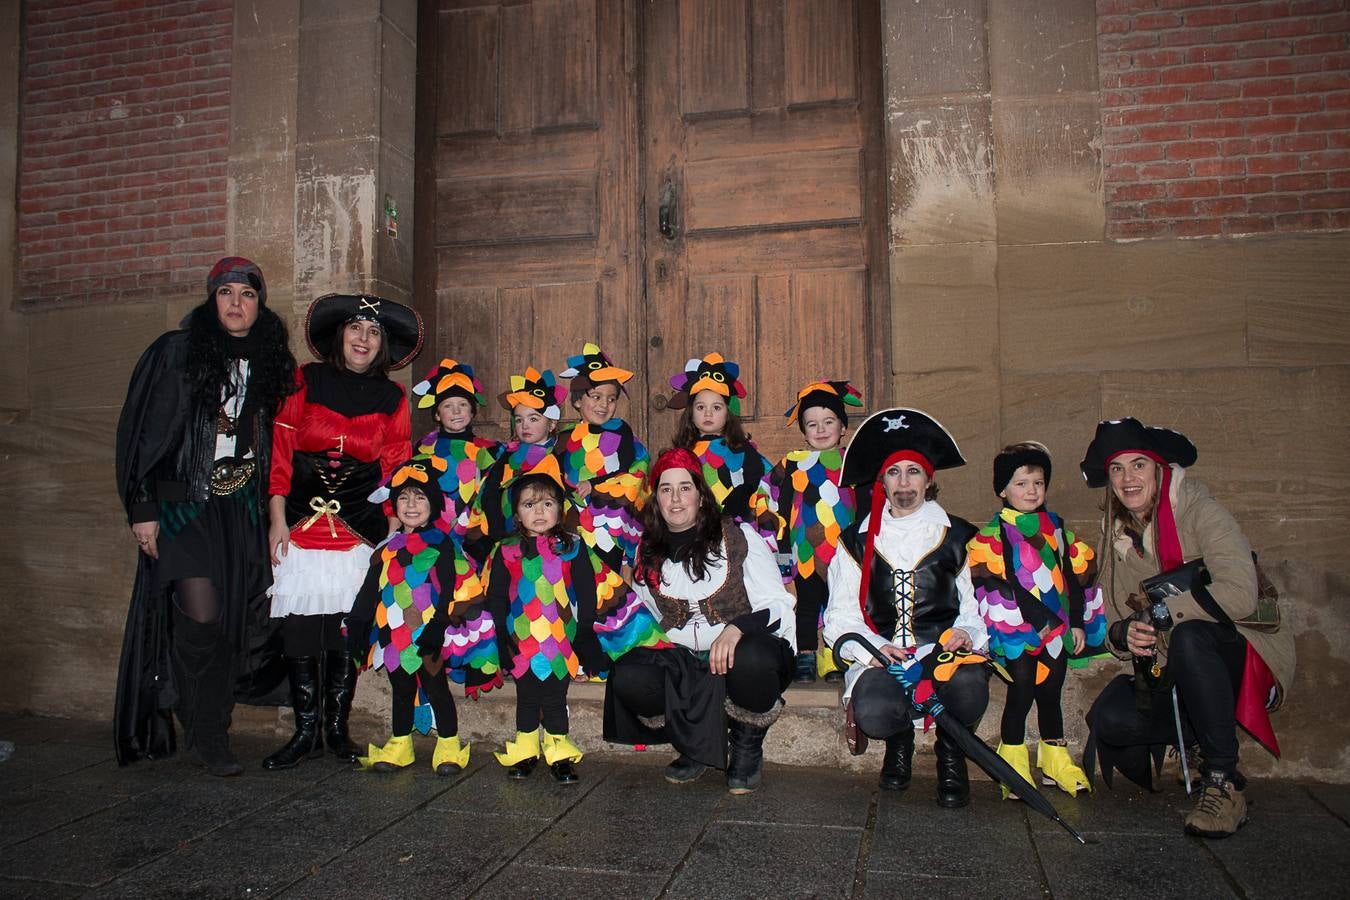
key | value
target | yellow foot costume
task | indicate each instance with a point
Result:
(449, 757)
(1056, 765)
(825, 662)
(397, 753)
(524, 747)
(558, 747)
(1015, 755)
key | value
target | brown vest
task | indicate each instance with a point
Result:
(725, 604)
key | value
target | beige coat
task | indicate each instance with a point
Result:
(1206, 530)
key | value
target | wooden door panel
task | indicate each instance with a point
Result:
(534, 216)
(763, 135)
(518, 207)
(714, 56)
(823, 65)
(781, 189)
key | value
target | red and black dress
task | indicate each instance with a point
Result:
(335, 441)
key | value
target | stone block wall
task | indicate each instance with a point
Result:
(1018, 313)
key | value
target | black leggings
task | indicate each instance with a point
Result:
(1206, 660)
(1046, 695)
(541, 700)
(882, 711)
(812, 593)
(437, 687)
(760, 671)
(312, 636)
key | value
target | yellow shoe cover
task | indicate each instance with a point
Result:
(825, 663)
(448, 750)
(525, 746)
(558, 747)
(1015, 755)
(397, 753)
(1055, 763)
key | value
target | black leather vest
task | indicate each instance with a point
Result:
(924, 599)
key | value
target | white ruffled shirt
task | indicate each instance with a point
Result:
(903, 541)
(763, 587)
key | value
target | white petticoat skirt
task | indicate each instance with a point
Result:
(315, 582)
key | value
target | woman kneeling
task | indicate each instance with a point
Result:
(715, 588)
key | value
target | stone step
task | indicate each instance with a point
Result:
(809, 733)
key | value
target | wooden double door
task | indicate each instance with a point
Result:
(665, 177)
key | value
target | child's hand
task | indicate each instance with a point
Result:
(583, 490)
(1079, 640)
(278, 539)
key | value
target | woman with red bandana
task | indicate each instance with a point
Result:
(1181, 589)
(715, 588)
(901, 581)
(337, 439)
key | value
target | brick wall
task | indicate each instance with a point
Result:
(1225, 118)
(124, 144)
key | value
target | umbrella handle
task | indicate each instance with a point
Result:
(855, 637)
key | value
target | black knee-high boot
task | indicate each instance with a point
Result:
(205, 683)
(953, 789)
(339, 685)
(306, 743)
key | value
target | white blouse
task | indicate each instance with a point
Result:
(763, 587)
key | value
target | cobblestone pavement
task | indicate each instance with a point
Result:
(74, 824)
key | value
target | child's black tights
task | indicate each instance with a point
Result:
(1046, 695)
(541, 699)
(437, 687)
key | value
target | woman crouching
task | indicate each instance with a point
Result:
(715, 588)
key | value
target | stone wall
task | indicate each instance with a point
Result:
(1015, 317)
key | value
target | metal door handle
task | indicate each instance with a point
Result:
(665, 216)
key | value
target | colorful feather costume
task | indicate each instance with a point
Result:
(814, 508)
(1034, 580)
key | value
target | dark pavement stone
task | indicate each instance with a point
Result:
(1126, 810)
(23, 730)
(1335, 797)
(300, 832)
(792, 796)
(1286, 855)
(36, 762)
(537, 797)
(19, 889)
(738, 859)
(915, 836)
(427, 853)
(1130, 866)
(572, 884)
(35, 811)
(633, 821)
(131, 834)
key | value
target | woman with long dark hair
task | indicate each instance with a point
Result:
(715, 588)
(193, 446)
(337, 439)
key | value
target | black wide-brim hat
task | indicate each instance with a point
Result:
(1115, 436)
(402, 326)
(890, 430)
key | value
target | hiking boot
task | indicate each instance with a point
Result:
(806, 668)
(1221, 809)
